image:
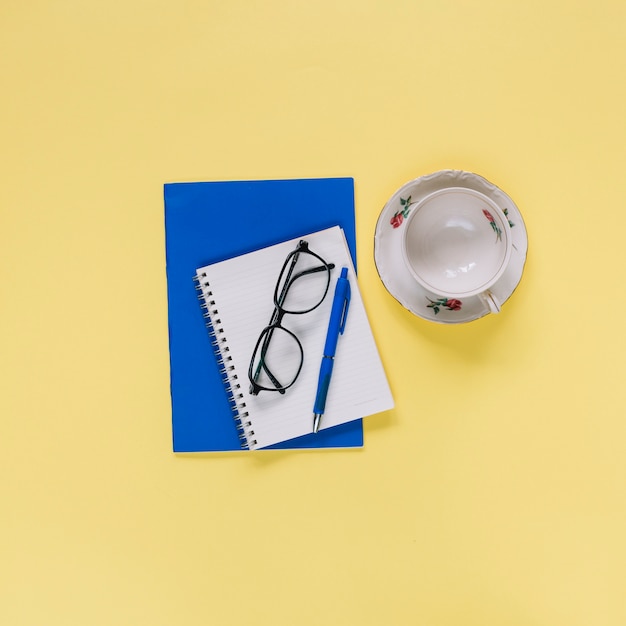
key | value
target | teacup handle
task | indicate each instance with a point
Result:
(491, 301)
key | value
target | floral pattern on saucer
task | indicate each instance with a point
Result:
(399, 216)
(398, 280)
(452, 304)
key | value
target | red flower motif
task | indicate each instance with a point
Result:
(493, 224)
(452, 304)
(397, 220)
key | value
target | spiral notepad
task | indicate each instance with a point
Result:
(236, 298)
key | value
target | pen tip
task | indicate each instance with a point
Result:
(316, 422)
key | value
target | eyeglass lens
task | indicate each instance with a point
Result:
(277, 359)
(302, 284)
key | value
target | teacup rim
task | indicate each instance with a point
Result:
(502, 218)
(465, 190)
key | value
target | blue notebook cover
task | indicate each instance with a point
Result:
(208, 222)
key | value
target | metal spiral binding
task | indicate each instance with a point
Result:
(225, 363)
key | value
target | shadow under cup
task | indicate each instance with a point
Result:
(457, 243)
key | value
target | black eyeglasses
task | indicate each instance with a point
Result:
(301, 287)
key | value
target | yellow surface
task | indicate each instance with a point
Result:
(492, 494)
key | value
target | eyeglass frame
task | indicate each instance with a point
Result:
(279, 313)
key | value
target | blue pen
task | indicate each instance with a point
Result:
(336, 326)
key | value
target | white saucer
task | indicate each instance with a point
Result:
(398, 279)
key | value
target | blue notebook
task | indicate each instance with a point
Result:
(209, 222)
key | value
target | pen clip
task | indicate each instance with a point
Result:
(344, 313)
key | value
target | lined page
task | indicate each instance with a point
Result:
(243, 290)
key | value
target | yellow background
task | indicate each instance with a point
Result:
(492, 494)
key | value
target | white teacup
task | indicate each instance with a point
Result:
(457, 244)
